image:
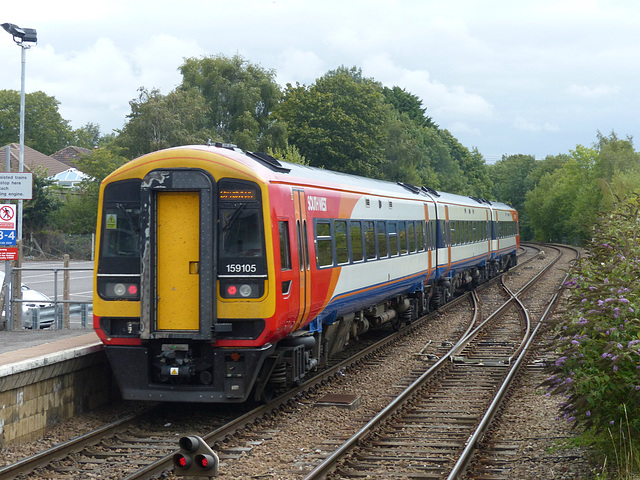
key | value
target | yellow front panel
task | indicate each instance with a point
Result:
(178, 240)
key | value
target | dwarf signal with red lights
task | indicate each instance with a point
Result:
(195, 458)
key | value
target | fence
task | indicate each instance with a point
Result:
(56, 312)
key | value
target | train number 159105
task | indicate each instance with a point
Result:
(241, 268)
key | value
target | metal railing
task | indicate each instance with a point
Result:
(57, 315)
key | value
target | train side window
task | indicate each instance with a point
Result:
(324, 250)
(411, 236)
(370, 240)
(342, 248)
(383, 252)
(285, 249)
(393, 239)
(420, 235)
(356, 241)
(402, 237)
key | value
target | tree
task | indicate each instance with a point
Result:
(511, 182)
(161, 121)
(337, 123)
(239, 97)
(78, 214)
(44, 128)
(565, 203)
(89, 136)
(37, 210)
(405, 102)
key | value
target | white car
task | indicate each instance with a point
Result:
(33, 300)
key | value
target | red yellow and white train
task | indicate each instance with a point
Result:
(222, 275)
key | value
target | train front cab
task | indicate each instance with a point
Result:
(156, 301)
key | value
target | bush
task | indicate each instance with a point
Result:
(598, 343)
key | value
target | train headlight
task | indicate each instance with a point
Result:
(119, 289)
(235, 289)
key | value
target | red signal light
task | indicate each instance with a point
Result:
(181, 461)
(205, 461)
(232, 290)
(133, 289)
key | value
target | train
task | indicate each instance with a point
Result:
(223, 276)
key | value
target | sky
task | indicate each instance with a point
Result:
(507, 77)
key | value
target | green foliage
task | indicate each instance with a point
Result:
(290, 154)
(99, 164)
(511, 182)
(406, 156)
(405, 102)
(38, 210)
(89, 136)
(598, 344)
(44, 129)
(78, 214)
(337, 123)
(567, 193)
(239, 97)
(161, 121)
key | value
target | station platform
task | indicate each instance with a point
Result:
(21, 350)
(47, 376)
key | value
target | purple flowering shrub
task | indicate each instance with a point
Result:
(598, 338)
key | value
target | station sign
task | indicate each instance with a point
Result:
(7, 216)
(8, 253)
(8, 237)
(16, 186)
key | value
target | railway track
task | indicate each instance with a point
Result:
(149, 452)
(432, 429)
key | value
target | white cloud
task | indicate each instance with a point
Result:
(448, 102)
(299, 66)
(522, 124)
(598, 91)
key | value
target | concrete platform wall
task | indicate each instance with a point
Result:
(36, 395)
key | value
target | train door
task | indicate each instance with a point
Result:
(178, 242)
(304, 262)
(178, 261)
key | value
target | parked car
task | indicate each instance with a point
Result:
(32, 300)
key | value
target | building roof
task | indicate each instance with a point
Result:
(69, 178)
(32, 160)
(68, 155)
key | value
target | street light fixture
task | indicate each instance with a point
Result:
(22, 37)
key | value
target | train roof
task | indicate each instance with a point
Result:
(280, 171)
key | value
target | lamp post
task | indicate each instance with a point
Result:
(23, 37)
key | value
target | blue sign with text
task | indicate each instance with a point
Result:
(8, 237)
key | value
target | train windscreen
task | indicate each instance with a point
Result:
(241, 233)
(120, 244)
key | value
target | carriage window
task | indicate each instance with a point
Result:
(382, 240)
(342, 250)
(356, 241)
(323, 244)
(411, 235)
(402, 237)
(370, 240)
(285, 251)
(420, 235)
(393, 239)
